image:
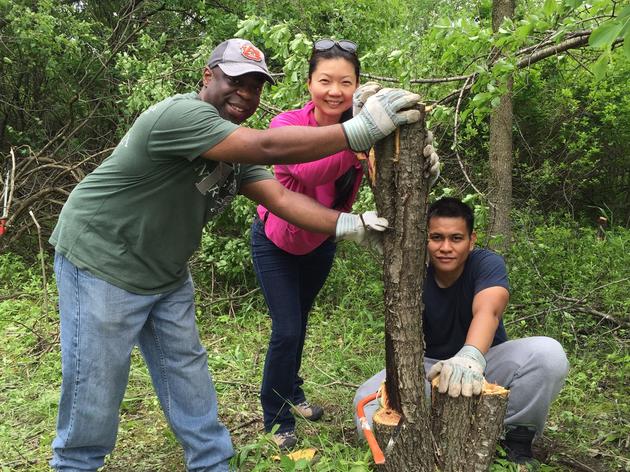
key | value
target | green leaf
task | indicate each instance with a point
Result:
(287, 464)
(600, 66)
(573, 4)
(626, 46)
(550, 7)
(604, 36)
(482, 97)
(624, 13)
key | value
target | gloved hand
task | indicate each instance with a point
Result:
(361, 94)
(432, 163)
(379, 116)
(462, 373)
(365, 229)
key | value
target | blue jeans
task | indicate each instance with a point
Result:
(289, 284)
(100, 325)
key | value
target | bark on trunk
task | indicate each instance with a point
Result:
(385, 425)
(463, 432)
(466, 430)
(500, 183)
(401, 196)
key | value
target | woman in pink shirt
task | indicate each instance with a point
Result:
(292, 264)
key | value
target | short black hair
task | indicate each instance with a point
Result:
(450, 207)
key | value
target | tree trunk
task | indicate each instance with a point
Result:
(500, 183)
(455, 436)
(464, 431)
(401, 196)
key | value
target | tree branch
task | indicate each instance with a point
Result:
(549, 51)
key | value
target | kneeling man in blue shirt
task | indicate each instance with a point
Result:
(465, 294)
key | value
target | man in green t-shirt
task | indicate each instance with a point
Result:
(127, 231)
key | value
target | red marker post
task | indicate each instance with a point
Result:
(5, 206)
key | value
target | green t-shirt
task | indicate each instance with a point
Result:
(137, 219)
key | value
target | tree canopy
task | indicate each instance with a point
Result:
(74, 75)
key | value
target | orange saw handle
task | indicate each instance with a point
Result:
(377, 453)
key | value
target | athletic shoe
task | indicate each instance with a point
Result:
(308, 411)
(285, 440)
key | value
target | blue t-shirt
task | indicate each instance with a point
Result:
(448, 311)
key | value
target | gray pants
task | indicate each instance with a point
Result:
(533, 369)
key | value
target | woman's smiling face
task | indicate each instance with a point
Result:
(331, 86)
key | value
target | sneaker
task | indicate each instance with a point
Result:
(518, 446)
(285, 440)
(308, 411)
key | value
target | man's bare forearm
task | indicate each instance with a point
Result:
(286, 145)
(297, 209)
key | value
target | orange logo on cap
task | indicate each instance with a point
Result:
(251, 52)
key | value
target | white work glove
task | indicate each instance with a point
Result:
(432, 163)
(462, 373)
(366, 229)
(380, 115)
(361, 94)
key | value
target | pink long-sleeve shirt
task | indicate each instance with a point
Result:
(315, 179)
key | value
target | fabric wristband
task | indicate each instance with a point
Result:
(357, 134)
(346, 224)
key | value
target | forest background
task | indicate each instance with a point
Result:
(75, 74)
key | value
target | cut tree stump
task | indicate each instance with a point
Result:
(465, 429)
(384, 423)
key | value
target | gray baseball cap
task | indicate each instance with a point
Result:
(237, 57)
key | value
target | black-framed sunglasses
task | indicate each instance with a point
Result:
(326, 44)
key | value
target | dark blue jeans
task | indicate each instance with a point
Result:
(289, 284)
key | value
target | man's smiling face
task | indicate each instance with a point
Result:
(236, 98)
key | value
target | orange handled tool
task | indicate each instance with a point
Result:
(377, 454)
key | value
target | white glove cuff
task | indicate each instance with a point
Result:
(347, 223)
(357, 134)
(471, 352)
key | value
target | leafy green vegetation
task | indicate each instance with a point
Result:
(563, 279)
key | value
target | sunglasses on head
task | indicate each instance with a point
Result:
(326, 44)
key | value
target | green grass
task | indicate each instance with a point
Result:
(588, 424)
